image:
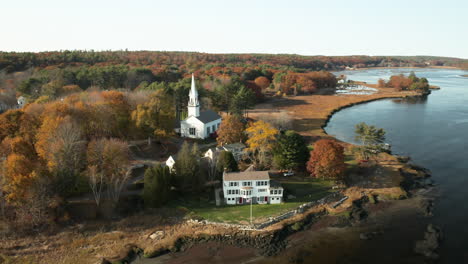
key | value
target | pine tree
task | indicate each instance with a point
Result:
(157, 186)
(226, 161)
(291, 151)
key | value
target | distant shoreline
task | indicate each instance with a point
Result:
(404, 67)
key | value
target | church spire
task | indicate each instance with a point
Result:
(193, 104)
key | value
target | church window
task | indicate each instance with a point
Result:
(192, 131)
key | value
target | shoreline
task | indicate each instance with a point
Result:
(404, 67)
(195, 241)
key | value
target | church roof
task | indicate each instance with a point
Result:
(193, 95)
(208, 116)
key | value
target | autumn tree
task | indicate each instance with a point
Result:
(61, 146)
(231, 130)
(10, 123)
(261, 139)
(381, 83)
(157, 186)
(156, 117)
(262, 82)
(108, 161)
(327, 160)
(291, 151)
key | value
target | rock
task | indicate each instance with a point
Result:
(157, 235)
(430, 243)
(290, 196)
(363, 236)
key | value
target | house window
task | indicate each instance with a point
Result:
(271, 191)
(262, 190)
(232, 184)
(237, 192)
(247, 183)
(208, 130)
(279, 191)
(192, 131)
(213, 126)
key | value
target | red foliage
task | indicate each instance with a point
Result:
(327, 160)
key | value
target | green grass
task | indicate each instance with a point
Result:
(304, 191)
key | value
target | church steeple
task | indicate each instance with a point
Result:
(193, 104)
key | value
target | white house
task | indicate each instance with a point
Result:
(198, 124)
(21, 101)
(237, 150)
(170, 162)
(241, 187)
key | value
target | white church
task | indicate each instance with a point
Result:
(198, 124)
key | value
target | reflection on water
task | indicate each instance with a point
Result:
(433, 131)
(411, 100)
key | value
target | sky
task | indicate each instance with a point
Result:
(327, 27)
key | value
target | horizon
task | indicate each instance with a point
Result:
(232, 53)
(307, 28)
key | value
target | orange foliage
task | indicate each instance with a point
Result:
(327, 160)
(262, 82)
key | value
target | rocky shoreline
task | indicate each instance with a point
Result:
(272, 243)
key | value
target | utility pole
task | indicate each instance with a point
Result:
(250, 207)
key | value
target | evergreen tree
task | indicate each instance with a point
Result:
(157, 186)
(187, 167)
(226, 161)
(291, 151)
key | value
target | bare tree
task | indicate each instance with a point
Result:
(108, 161)
(96, 183)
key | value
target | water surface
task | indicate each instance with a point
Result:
(434, 132)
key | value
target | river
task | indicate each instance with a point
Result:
(434, 132)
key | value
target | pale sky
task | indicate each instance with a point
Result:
(326, 27)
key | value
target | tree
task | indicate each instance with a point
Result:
(157, 186)
(156, 117)
(18, 178)
(10, 123)
(262, 82)
(187, 167)
(381, 83)
(370, 137)
(231, 130)
(244, 99)
(290, 151)
(60, 144)
(327, 160)
(109, 159)
(261, 138)
(226, 161)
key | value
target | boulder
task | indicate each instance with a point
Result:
(157, 235)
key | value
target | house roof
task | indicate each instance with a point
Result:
(234, 146)
(208, 116)
(246, 175)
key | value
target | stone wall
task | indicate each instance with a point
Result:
(273, 220)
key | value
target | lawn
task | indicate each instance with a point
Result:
(303, 190)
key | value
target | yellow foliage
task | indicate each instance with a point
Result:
(262, 136)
